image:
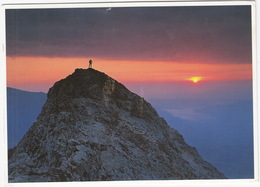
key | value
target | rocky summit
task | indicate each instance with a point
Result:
(92, 128)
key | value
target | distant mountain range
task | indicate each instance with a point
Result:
(23, 107)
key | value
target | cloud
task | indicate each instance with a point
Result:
(184, 34)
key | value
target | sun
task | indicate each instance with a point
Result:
(195, 79)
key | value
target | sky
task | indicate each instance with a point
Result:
(141, 44)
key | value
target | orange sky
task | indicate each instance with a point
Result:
(44, 71)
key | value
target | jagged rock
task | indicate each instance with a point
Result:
(93, 128)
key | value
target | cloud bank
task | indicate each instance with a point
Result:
(216, 34)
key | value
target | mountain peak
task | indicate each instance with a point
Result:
(93, 128)
(82, 83)
(99, 87)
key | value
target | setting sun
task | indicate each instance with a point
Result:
(195, 79)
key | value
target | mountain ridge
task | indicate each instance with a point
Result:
(93, 128)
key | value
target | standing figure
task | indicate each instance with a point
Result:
(90, 63)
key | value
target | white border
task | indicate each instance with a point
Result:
(22, 4)
(114, 3)
(256, 86)
(3, 109)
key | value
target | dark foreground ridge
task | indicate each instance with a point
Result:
(93, 128)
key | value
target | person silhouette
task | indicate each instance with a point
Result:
(90, 63)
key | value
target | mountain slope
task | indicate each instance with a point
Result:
(93, 128)
(22, 110)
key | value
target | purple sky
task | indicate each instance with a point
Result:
(216, 34)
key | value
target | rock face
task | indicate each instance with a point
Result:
(93, 128)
